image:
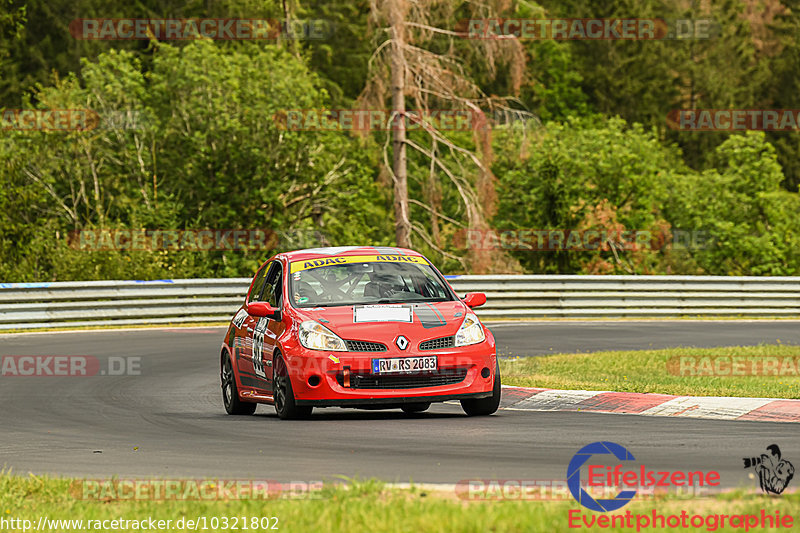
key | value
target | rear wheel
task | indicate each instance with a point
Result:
(230, 394)
(285, 404)
(415, 407)
(485, 406)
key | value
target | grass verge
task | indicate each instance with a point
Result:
(679, 371)
(362, 506)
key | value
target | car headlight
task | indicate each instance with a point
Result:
(470, 332)
(315, 336)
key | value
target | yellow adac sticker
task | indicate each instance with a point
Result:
(297, 266)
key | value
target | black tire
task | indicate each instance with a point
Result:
(485, 406)
(285, 404)
(230, 394)
(411, 408)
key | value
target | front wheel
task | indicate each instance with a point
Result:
(230, 394)
(485, 406)
(285, 404)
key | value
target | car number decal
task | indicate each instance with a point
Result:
(258, 347)
(239, 319)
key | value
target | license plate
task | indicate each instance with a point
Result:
(400, 365)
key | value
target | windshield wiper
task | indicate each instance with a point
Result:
(371, 302)
(411, 301)
(381, 301)
(335, 304)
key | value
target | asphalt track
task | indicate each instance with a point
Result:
(169, 421)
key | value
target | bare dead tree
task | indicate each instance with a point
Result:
(405, 70)
(397, 12)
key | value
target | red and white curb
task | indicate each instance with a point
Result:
(634, 403)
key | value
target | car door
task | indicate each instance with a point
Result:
(245, 326)
(264, 331)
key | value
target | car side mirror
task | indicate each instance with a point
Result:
(263, 309)
(474, 299)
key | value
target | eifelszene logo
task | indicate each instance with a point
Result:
(633, 478)
(774, 473)
(574, 476)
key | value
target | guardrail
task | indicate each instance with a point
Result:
(87, 303)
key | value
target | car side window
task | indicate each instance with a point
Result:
(272, 289)
(258, 284)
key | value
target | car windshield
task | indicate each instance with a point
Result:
(326, 283)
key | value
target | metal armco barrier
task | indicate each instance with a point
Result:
(39, 305)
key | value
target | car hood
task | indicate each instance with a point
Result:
(383, 323)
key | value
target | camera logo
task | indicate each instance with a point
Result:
(774, 473)
(574, 476)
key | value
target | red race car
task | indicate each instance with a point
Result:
(367, 327)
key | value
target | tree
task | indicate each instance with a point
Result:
(643, 80)
(434, 80)
(12, 23)
(586, 174)
(205, 152)
(780, 89)
(752, 225)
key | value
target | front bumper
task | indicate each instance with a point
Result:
(386, 402)
(322, 378)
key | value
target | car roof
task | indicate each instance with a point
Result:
(339, 251)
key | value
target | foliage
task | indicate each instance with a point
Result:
(589, 173)
(189, 138)
(203, 151)
(751, 223)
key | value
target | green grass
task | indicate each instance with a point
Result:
(648, 371)
(364, 506)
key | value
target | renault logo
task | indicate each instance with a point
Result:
(401, 342)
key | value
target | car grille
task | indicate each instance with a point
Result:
(365, 346)
(416, 381)
(437, 344)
